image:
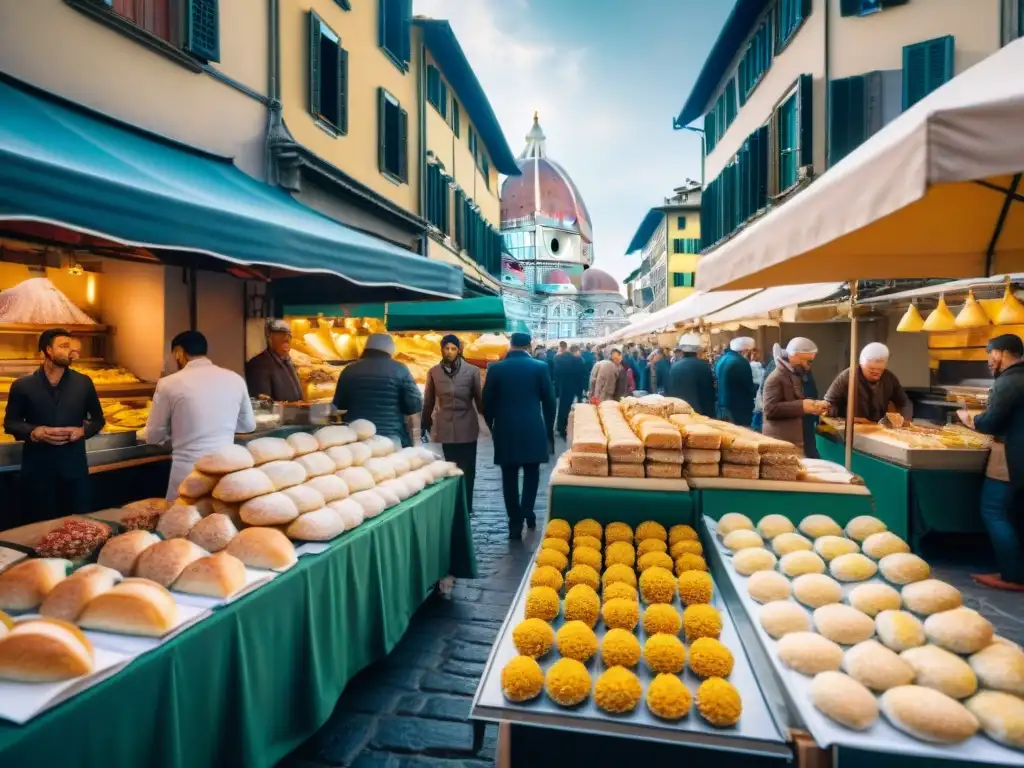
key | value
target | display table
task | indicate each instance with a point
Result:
(575, 497)
(249, 684)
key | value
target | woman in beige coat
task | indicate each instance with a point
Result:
(784, 401)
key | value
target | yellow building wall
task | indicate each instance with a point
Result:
(369, 68)
(681, 262)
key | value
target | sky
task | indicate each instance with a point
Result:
(606, 77)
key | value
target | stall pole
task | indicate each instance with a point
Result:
(851, 394)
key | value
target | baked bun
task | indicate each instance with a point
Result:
(899, 630)
(779, 618)
(831, 547)
(213, 533)
(340, 434)
(800, 562)
(220, 575)
(413, 457)
(371, 503)
(302, 443)
(872, 599)
(317, 464)
(733, 521)
(768, 587)
(853, 567)
(399, 463)
(331, 487)
(24, 586)
(903, 568)
(232, 458)
(230, 509)
(814, 526)
(931, 596)
(414, 480)
(322, 525)
(306, 498)
(69, 597)
(398, 486)
(350, 512)
(380, 446)
(785, 543)
(265, 548)
(845, 700)
(748, 561)
(122, 552)
(178, 521)
(771, 526)
(44, 651)
(379, 469)
(1000, 666)
(158, 505)
(272, 509)
(133, 607)
(364, 429)
(872, 664)
(960, 630)
(862, 526)
(944, 671)
(1001, 716)
(285, 474)
(928, 715)
(878, 545)
(357, 479)
(267, 449)
(164, 561)
(390, 497)
(360, 453)
(341, 455)
(816, 589)
(242, 486)
(843, 624)
(742, 539)
(206, 505)
(809, 653)
(197, 484)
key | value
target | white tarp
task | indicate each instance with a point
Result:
(772, 299)
(953, 286)
(695, 306)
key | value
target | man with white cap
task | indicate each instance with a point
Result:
(691, 379)
(877, 389)
(271, 373)
(736, 388)
(784, 402)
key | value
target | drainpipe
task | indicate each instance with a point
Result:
(828, 103)
(421, 108)
(273, 78)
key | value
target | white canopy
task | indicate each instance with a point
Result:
(772, 299)
(952, 286)
(696, 305)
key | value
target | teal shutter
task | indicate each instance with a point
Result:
(345, 5)
(442, 97)
(681, 222)
(382, 23)
(203, 29)
(342, 121)
(455, 117)
(806, 117)
(940, 62)
(848, 118)
(926, 66)
(314, 64)
(403, 145)
(382, 123)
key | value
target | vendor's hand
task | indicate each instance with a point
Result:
(965, 416)
(50, 435)
(814, 407)
(75, 434)
(896, 419)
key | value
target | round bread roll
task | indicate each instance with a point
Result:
(265, 548)
(960, 630)
(427, 473)
(267, 449)
(816, 589)
(1007, 642)
(779, 618)
(302, 443)
(371, 503)
(231, 510)
(843, 624)
(872, 599)
(242, 486)
(360, 453)
(306, 498)
(878, 545)
(197, 484)
(177, 521)
(831, 547)
(899, 630)
(341, 455)
(317, 464)
(284, 474)
(331, 487)
(399, 463)
(337, 434)
(741, 539)
(903, 568)
(213, 533)
(272, 509)
(24, 585)
(322, 525)
(364, 429)
(398, 486)
(122, 552)
(862, 526)
(413, 457)
(390, 497)
(232, 458)
(768, 587)
(944, 671)
(350, 512)
(379, 469)
(733, 521)
(785, 543)
(427, 455)
(414, 480)
(357, 479)
(872, 664)
(853, 567)
(44, 651)
(1001, 716)
(928, 715)
(1000, 666)
(750, 561)
(809, 653)
(381, 446)
(69, 597)
(800, 562)
(164, 561)
(815, 526)
(205, 504)
(931, 596)
(845, 700)
(771, 526)
(220, 575)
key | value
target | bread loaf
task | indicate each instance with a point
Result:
(364, 429)
(740, 471)
(24, 586)
(242, 486)
(356, 479)
(844, 699)
(306, 498)
(341, 455)
(340, 434)
(379, 469)
(231, 510)
(381, 446)
(741, 458)
(197, 484)
(302, 443)
(780, 618)
(317, 464)
(816, 589)
(784, 543)
(878, 545)
(399, 463)
(233, 458)
(177, 522)
(783, 460)
(1000, 666)
(944, 671)
(780, 473)
(204, 504)
(703, 437)
(660, 456)
(133, 607)
(903, 568)
(360, 453)
(862, 526)
(272, 509)
(398, 486)
(44, 651)
(415, 482)
(267, 449)
(751, 560)
(331, 487)
(1001, 717)
(774, 525)
(122, 552)
(350, 512)
(618, 469)
(701, 470)
(768, 587)
(390, 497)
(899, 630)
(412, 456)
(872, 599)
(69, 597)
(322, 525)
(808, 653)
(284, 474)
(701, 456)
(843, 624)
(220, 575)
(960, 630)
(213, 533)
(931, 596)
(875, 666)
(164, 561)
(928, 715)
(371, 503)
(266, 548)
(590, 464)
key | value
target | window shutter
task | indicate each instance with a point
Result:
(940, 62)
(342, 124)
(455, 118)
(314, 64)
(442, 97)
(403, 145)
(838, 119)
(405, 27)
(915, 74)
(382, 23)
(849, 7)
(382, 131)
(806, 118)
(874, 104)
(203, 26)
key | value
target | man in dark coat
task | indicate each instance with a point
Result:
(691, 379)
(271, 373)
(657, 373)
(519, 409)
(589, 360)
(568, 383)
(736, 388)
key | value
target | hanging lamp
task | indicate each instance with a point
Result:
(972, 315)
(911, 322)
(1012, 311)
(940, 318)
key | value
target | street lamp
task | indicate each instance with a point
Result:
(703, 144)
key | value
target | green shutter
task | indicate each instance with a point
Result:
(203, 29)
(342, 124)
(455, 117)
(382, 123)
(806, 117)
(382, 23)
(345, 6)
(926, 66)
(314, 64)
(940, 61)
(403, 145)
(442, 97)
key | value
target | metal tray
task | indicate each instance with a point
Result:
(756, 733)
(962, 459)
(881, 737)
(10, 453)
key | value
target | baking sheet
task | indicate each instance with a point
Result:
(755, 733)
(881, 737)
(312, 548)
(133, 645)
(253, 580)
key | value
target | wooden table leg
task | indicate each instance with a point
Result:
(808, 753)
(503, 756)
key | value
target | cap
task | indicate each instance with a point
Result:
(520, 340)
(741, 344)
(450, 338)
(1008, 342)
(875, 352)
(689, 342)
(381, 342)
(278, 326)
(801, 346)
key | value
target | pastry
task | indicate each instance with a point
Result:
(197, 484)
(768, 586)
(931, 596)
(284, 474)
(831, 547)
(302, 443)
(350, 512)
(784, 543)
(272, 509)
(853, 567)
(771, 526)
(999, 666)
(399, 463)
(1001, 716)
(164, 561)
(878, 545)
(899, 630)
(357, 479)
(219, 575)
(133, 607)
(44, 651)
(928, 715)
(779, 618)
(233, 458)
(944, 671)
(398, 486)
(316, 464)
(960, 630)
(872, 599)
(862, 526)
(816, 589)
(331, 487)
(809, 653)
(872, 664)
(843, 624)
(844, 699)
(749, 561)
(340, 434)
(69, 597)
(263, 548)
(741, 539)
(267, 449)
(122, 552)
(24, 586)
(814, 526)
(213, 533)
(243, 485)
(903, 568)
(800, 562)
(306, 498)
(380, 446)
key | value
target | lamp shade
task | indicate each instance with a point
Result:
(972, 315)
(940, 318)
(911, 322)
(1012, 311)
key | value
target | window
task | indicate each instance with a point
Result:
(866, 7)
(437, 198)
(683, 279)
(926, 66)
(791, 15)
(393, 32)
(393, 141)
(485, 169)
(858, 107)
(756, 59)
(722, 115)
(192, 26)
(788, 143)
(437, 91)
(793, 130)
(455, 117)
(681, 222)
(328, 75)
(473, 149)
(459, 235)
(686, 245)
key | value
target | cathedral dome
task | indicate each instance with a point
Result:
(598, 281)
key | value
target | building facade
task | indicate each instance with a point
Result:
(793, 86)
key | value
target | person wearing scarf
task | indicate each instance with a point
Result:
(452, 404)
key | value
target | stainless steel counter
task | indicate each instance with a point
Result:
(101, 450)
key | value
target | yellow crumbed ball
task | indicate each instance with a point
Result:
(558, 529)
(620, 553)
(651, 545)
(619, 572)
(620, 590)
(710, 658)
(719, 702)
(546, 576)
(553, 558)
(695, 587)
(588, 527)
(619, 647)
(702, 621)
(618, 690)
(685, 547)
(586, 541)
(587, 556)
(559, 545)
(542, 603)
(668, 698)
(618, 532)
(657, 585)
(582, 574)
(582, 604)
(650, 530)
(522, 679)
(533, 637)
(567, 682)
(665, 653)
(681, 533)
(688, 562)
(655, 560)
(662, 617)
(575, 640)
(621, 613)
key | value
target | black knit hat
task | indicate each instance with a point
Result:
(1008, 342)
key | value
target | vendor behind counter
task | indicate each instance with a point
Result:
(877, 388)
(271, 373)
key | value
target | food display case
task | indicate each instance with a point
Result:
(916, 446)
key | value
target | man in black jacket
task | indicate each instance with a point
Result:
(568, 384)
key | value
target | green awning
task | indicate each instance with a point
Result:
(377, 311)
(483, 314)
(63, 165)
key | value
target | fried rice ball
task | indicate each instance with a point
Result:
(619, 647)
(710, 658)
(620, 590)
(620, 553)
(667, 697)
(587, 541)
(533, 637)
(650, 530)
(688, 562)
(522, 679)
(685, 547)
(657, 585)
(553, 558)
(588, 527)
(695, 587)
(546, 576)
(575, 640)
(652, 559)
(587, 556)
(619, 573)
(665, 653)
(582, 574)
(559, 545)
(582, 604)
(618, 690)
(621, 613)
(567, 682)
(719, 702)
(618, 532)
(681, 533)
(662, 618)
(651, 545)
(558, 529)
(542, 603)
(701, 621)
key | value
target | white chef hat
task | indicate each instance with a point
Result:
(742, 344)
(875, 352)
(381, 342)
(689, 342)
(801, 346)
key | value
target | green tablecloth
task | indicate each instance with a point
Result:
(796, 506)
(606, 505)
(250, 683)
